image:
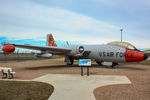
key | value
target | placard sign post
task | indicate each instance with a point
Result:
(84, 63)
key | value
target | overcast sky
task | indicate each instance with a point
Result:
(88, 21)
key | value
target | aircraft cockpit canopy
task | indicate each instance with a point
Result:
(123, 44)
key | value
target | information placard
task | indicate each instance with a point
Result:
(84, 62)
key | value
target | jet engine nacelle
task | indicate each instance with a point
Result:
(45, 55)
(8, 48)
(79, 51)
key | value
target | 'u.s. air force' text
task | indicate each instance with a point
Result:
(116, 54)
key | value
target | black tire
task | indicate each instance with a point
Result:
(114, 64)
(99, 63)
(71, 60)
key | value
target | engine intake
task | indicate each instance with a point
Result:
(80, 51)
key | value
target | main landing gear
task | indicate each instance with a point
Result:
(99, 63)
(69, 61)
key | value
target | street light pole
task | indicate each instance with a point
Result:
(121, 34)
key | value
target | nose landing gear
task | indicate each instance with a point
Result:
(114, 64)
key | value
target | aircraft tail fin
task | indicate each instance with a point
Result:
(50, 41)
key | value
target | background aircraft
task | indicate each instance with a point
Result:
(109, 54)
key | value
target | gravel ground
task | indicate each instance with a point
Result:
(139, 75)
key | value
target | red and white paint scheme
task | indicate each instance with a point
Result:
(99, 53)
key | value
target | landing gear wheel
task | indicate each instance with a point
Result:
(113, 65)
(99, 63)
(71, 61)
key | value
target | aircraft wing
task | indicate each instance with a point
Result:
(53, 50)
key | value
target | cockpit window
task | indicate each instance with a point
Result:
(123, 44)
(131, 47)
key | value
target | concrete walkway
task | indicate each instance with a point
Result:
(75, 87)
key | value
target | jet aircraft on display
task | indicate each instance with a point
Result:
(111, 53)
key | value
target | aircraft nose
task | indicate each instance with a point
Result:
(145, 56)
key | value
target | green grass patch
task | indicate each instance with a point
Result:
(25, 90)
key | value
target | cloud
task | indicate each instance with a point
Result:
(28, 20)
(25, 19)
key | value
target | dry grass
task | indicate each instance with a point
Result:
(21, 57)
(24, 90)
(15, 57)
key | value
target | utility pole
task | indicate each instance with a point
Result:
(121, 34)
